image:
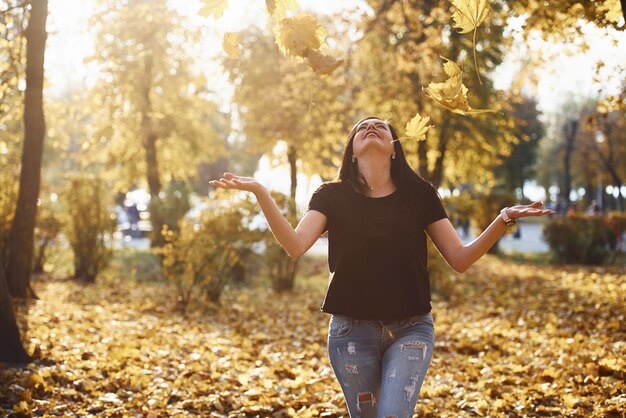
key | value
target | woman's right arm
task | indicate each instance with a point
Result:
(296, 241)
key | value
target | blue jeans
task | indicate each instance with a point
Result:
(381, 365)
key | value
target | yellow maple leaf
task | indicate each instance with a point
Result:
(278, 8)
(469, 14)
(452, 94)
(322, 64)
(417, 127)
(297, 35)
(230, 44)
(213, 8)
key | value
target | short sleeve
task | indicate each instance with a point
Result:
(433, 206)
(320, 201)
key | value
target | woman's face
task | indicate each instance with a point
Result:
(372, 136)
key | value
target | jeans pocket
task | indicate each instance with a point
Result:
(339, 326)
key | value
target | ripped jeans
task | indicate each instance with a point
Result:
(381, 365)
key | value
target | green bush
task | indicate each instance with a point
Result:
(90, 226)
(578, 238)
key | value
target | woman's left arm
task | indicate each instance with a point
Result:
(461, 256)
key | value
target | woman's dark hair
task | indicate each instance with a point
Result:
(403, 176)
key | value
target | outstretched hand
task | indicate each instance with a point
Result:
(522, 211)
(232, 181)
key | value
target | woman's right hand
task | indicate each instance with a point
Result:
(231, 181)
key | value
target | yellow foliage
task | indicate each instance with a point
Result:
(612, 9)
(297, 35)
(470, 14)
(230, 44)
(452, 94)
(215, 8)
(321, 63)
(278, 8)
(416, 128)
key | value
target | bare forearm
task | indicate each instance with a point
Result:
(283, 231)
(472, 251)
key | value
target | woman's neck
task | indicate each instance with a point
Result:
(377, 173)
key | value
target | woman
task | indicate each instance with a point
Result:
(377, 213)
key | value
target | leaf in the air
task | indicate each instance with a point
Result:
(417, 127)
(278, 8)
(452, 94)
(230, 44)
(469, 14)
(213, 8)
(322, 64)
(296, 35)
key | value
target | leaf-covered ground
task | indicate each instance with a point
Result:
(518, 340)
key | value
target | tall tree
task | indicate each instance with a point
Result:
(283, 102)
(400, 53)
(19, 266)
(518, 167)
(156, 118)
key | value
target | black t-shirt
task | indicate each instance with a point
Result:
(377, 254)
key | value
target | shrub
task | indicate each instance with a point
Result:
(488, 206)
(617, 224)
(47, 229)
(578, 238)
(203, 256)
(89, 226)
(170, 207)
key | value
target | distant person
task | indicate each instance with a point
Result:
(593, 209)
(133, 214)
(377, 213)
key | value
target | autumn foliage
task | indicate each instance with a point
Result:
(512, 340)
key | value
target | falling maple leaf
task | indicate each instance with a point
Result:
(230, 44)
(297, 35)
(417, 127)
(321, 63)
(452, 94)
(278, 8)
(213, 8)
(469, 14)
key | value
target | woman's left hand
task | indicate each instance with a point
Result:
(522, 211)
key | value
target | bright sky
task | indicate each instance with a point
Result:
(566, 72)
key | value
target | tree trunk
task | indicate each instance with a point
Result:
(422, 168)
(22, 229)
(437, 176)
(152, 164)
(569, 133)
(288, 266)
(11, 349)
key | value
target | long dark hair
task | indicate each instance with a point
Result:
(403, 176)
